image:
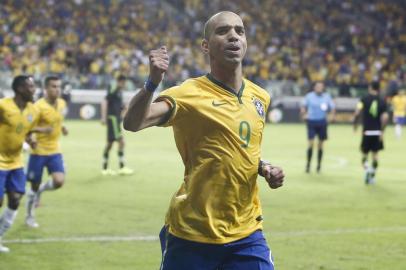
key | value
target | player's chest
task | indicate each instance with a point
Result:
(231, 112)
(19, 121)
(51, 115)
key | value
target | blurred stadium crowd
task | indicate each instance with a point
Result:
(88, 42)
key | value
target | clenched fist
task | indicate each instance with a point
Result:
(158, 64)
(273, 175)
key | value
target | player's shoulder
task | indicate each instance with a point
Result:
(327, 95)
(7, 104)
(310, 94)
(40, 101)
(187, 87)
(193, 84)
(61, 102)
(3, 101)
(256, 90)
(365, 98)
(6, 101)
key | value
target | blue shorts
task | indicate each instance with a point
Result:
(317, 127)
(250, 253)
(36, 164)
(400, 120)
(12, 181)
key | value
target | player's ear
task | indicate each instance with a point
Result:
(205, 46)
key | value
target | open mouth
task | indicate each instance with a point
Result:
(232, 48)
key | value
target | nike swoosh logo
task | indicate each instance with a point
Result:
(216, 104)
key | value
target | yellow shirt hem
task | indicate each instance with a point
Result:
(224, 240)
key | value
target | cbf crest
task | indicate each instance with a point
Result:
(30, 118)
(259, 107)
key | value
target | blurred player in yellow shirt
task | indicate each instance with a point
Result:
(399, 111)
(18, 118)
(47, 153)
(215, 219)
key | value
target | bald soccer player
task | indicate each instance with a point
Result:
(215, 219)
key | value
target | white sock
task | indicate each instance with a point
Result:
(366, 165)
(30, 203)
(398, 131)
(7, 219)
(47, 186)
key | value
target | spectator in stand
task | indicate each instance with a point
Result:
(344, 44)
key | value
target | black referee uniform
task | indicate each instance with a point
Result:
(115, 107)
(372, 109)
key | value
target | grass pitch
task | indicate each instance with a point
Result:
(320, 221)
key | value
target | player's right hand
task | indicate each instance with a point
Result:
(273, 175)
(33, 144)
(46, 130)
(158, 64)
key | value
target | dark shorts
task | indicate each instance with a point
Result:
(400, 120)
(37, 163)
(317, 127)
(113, 128)
(250, 253)
(12, 181)
(371, 144)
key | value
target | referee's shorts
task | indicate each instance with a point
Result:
(317, 128)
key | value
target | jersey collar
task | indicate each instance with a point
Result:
(225, 87)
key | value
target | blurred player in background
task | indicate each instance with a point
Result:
(18, 118)
(47, 154)
(215, 219)
(399, 111)
(375, 117)
(315, 108)
(112, 109)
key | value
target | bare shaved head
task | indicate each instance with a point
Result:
(209, 25)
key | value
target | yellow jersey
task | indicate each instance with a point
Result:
(399, 105)
(49, 116)
(14, 126)
(218, 134)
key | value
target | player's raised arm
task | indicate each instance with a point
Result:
(142, 113)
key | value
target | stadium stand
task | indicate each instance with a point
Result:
(346, 43)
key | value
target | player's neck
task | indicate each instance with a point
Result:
(51, 102)
(21, 103)
(231, 78)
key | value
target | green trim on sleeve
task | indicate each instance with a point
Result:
(170, 115)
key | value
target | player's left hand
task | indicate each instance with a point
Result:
(273, 175)
(30, 140)
(33, 144)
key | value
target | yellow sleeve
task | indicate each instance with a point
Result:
(1, 112)
(171, 101)
(36, 112)
(178, 98)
